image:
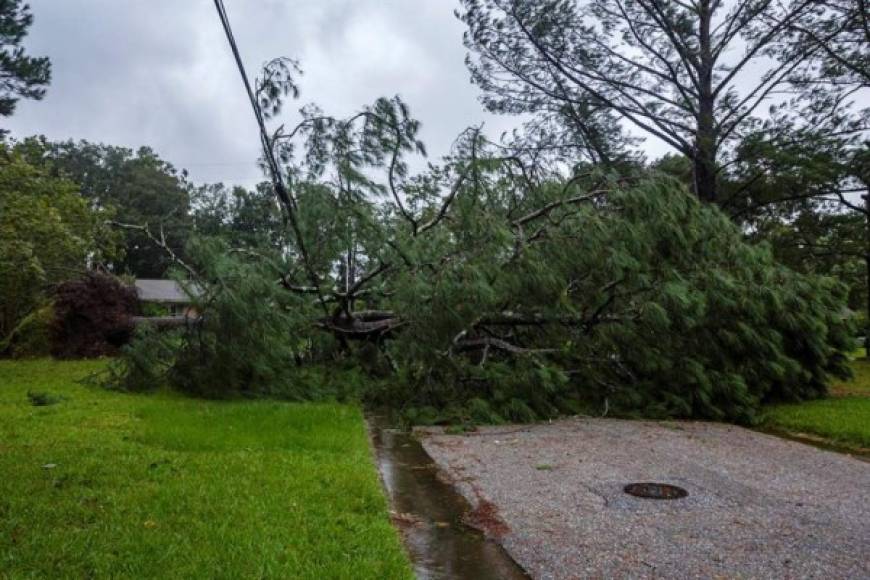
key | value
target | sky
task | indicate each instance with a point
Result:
(160, 73)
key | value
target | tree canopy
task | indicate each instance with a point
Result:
(139, 187)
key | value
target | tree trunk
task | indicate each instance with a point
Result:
(866, 197)
(704, 160)
(705, 169)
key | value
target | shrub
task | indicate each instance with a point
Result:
(92, 316)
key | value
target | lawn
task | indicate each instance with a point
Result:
(106, 484)
(843, 419)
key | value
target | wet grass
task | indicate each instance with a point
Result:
(842, 420)
(101, 484)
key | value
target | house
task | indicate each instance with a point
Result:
(165, 296)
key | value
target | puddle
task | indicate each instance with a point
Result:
(429, 513)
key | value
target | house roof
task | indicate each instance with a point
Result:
(168, 291)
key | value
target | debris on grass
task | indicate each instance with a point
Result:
(43, 399)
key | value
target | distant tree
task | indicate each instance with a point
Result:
(245, 218)
(21, 76)
(692, 74)
(142, 189)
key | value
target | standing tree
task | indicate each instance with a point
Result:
(689, 73)
(20, 75)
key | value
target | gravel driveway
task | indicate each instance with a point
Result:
(758, 506)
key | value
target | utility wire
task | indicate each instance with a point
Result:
(269, 153)
(266, 141)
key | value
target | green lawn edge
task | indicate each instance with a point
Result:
(840, 421)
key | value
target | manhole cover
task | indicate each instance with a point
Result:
(655, 490)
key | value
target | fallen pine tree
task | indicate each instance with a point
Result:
(494, 287)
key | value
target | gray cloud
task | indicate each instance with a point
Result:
(159, 73)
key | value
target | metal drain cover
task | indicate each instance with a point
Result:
(655, 491)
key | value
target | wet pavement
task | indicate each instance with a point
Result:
(432, 516)
(756, 506)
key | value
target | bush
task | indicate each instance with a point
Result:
(92, 316)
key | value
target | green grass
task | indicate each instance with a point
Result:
(105, 484)
(843, 419)
(859, 386)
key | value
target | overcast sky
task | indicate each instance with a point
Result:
(159, 72)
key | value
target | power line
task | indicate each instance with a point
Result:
(266, 141)
(277, 180)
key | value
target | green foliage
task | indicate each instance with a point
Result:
(636, 300)
(139, 187)
(795, 185)
(838, 31)
(249, 340)
(500, 289)
(246, 219)
(689, 319)
(32, 336)
(20, 75)
(144, 361)
(157, 486)
(242, 335)
(48, 233)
